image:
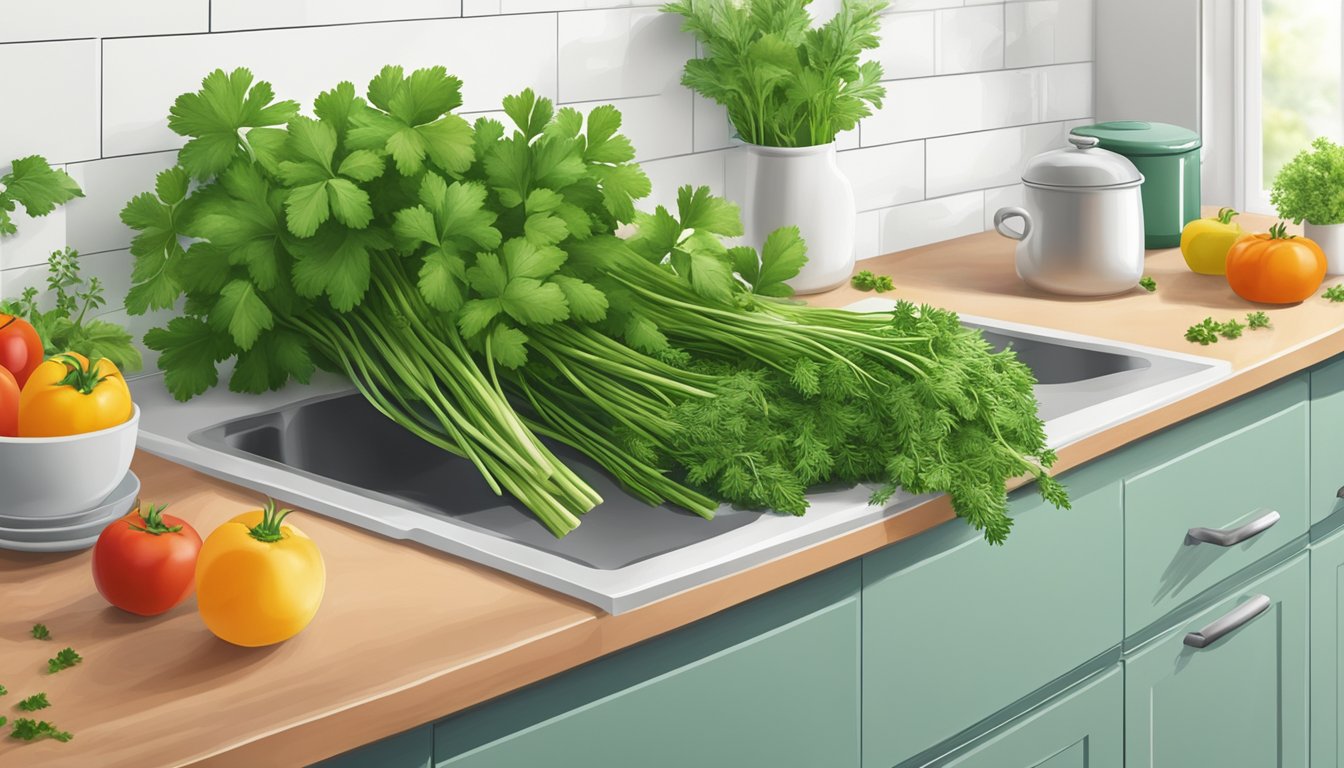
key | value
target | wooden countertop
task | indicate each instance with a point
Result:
(407, 635)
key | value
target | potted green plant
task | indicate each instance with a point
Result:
(789, 89)
(1310, 191)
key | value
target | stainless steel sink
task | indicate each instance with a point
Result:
(324, 448)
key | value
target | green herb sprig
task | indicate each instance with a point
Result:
(1208, 330)
(1257, 320)
(1334, 293)
(1308, 187)
(26, 729)
(69, 326)
(40, 632)
(35, 185)
(64, 659)
(34, 703)
(1148, 284)
(866, 280)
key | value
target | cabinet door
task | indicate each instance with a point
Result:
(1327, 440)
(1239, 701)
(772, 683)
(412, 749)
(1083, 727)
(1327, 655)
(955, 630)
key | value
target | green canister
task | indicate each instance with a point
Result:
(1168, 157)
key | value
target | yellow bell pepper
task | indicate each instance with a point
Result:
(258, 581)
(1205, 242)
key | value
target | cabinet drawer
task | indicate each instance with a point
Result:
(774, 682)
(412, 749)
(1240, 475)
(954, 629)
(1327, 440)
(1083, 727)
(1327, 650)
(1239, 701)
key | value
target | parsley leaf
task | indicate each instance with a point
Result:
(215, 116)
(1148, 284)
(1204, 332)
(39, 632)
(25, 729)
(64, 659)
(34, 703)
(866, 280)
(35, 185)
(190, 353)
(1257, 320)
(414, 122)
(1334, 293)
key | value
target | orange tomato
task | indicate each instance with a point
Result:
(9, 404)
(69, 395)
(20, 347)
(1275, 268)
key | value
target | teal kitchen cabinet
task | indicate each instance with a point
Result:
(1327, 655)
(1082, 727)
(1241, 469)
(955, 630)
(774, 682)
(1241, 699)
(1327, 440)
(412, 749)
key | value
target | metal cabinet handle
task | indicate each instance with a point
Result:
(1226, 537)
(1233, 619)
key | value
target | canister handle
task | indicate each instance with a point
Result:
(1083, 142)
(1013, 211)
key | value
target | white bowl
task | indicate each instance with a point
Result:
(59, 476)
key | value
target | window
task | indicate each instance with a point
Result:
(1275, 69)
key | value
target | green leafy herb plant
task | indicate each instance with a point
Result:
(784, 82)
(35, 185)
(1311, 186)
(69, 326)
(472, 285)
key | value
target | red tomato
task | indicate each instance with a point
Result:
(20, 347)
(9, 404)
(145, 562)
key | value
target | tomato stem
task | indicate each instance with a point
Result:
(83, 379)
(153, 520)
(1280, 232)
(1225, 215)
(268, 530)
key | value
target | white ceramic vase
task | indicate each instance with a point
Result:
(803, 186)
(1331, 239)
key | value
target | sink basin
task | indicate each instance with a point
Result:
(323, 447)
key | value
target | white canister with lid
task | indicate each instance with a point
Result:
(1082, 221)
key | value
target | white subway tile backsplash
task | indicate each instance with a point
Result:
(620, 53)
(867, 231)
(704, 169)
(941, 106)
(713, 129)
(494, 56)
(885, 176)
(1002, 197)
(968, 39)
(658, 126)
(928, 221)
(1071, 124)
(907, 45)
(480, 7)
(992, 158)
(94, 221)
(539, 6)
(22, 20)
(51, 100)
(921, 5)
(232, 15)
(1047, 32)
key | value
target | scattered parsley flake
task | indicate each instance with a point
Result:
(3, 691)
(1204, 333)
(40, 632)
(65, 658)
(868, 281)
(1231, 329)
(1148, 284)
(1257, 320)
(35, 702)
(28, 730)
(1334, 293)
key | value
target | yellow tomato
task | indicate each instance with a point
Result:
(1205, 242)
(68, 395)
(258, 581)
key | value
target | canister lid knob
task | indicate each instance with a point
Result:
(1083, 142)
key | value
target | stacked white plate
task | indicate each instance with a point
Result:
(68, 533)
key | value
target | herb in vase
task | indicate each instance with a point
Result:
(1311, 186)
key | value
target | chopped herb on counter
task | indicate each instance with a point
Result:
(1205, 332)
(868, 281)
(65, 659)
(3, 691)
(28, 730)
(40, 632)
(1231, 329)
(1148, 284)
(1257, 320)
(1334, 293)
(3, 720)
(35, 702)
